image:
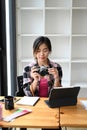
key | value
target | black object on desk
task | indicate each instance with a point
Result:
(63, 96)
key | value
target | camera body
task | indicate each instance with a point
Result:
(42, 70)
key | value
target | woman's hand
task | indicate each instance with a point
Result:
(36, 77)
(34, 73)
(54, 72)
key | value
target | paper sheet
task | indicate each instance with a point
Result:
(84, 103)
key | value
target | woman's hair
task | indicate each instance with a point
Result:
(39, 41)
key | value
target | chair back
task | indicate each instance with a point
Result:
(20, 91)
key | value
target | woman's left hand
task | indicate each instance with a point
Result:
(54, 72)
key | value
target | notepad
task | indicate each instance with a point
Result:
(19, 112)
(31, 101)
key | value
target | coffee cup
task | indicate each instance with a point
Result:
(9, 102)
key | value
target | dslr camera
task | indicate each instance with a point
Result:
(42, 70)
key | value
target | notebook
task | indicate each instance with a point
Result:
(31, 101)
(63, 96)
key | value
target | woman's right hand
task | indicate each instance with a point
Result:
(36, 77)
(34, 73)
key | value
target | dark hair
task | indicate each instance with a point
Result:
(41, 40)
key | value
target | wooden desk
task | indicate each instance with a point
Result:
(44, 117)
(41, 117)
(73, 116)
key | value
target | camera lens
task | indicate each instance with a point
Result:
(43, 71)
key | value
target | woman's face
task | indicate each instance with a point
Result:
(42, 53)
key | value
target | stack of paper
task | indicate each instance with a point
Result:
(84, 103)
(28, 100)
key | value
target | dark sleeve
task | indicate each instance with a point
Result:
(59, 68)
(27, 80)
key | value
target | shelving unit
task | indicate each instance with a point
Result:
(65, 23)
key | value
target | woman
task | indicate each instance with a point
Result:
(40, 76)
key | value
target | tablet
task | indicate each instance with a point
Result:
(63, 96)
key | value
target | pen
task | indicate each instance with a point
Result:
(1, 100)
(17, 100)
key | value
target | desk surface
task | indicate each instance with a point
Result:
(44, 117)
(41, 117)
(73, 116)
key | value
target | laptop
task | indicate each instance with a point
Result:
(63, 96)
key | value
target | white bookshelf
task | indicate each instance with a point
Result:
(65, 23)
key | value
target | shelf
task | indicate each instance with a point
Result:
(58, 3)
(29, 8)
(79, 44)
(64, 22)
(57, 8)
(29, 59)
(79, 72)
(30, 3)
(77, 60)
(79, 22)
(61, 18)
(39, 34)
(28, 35)
(79, 8)
(79, 3)
(27, 26)
(65, 46)
(58, 60)
(79, 35)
